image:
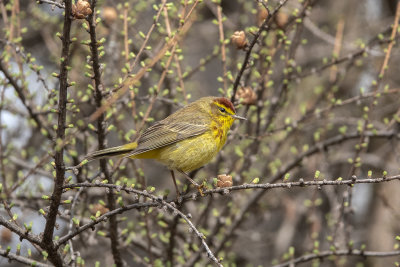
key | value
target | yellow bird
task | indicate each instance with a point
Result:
(184, 141)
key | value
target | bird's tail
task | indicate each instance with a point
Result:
(112, 151)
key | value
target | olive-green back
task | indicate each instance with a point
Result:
(192, 120)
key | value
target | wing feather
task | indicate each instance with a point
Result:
(164, 133)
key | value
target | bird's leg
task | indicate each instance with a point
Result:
(176, 186)
(199, 187)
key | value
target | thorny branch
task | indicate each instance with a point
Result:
(302, 182)
(47, 241)
(101, 133)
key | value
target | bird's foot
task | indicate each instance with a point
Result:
(200, 189)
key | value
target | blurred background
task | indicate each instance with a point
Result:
(320, 100)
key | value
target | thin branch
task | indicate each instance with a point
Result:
(344, 252)
(265, 187)
(280, 94)
(202, 64)
(336, 49)
(101, 133)
(147, 37)
(347, 196)
(349, 57)
(28, 60)
(31, 170)
(300, 183)
(21, 259)
(222, 44)
(156, 202)
(134, 79)
(176, 58)
(392, 41)
(246, 60)
(126, 38)
(321, 111)
(53, 3)
(389, 49)
(21, 95)
(21, 233)
(154, 97)
(197, 232)
(100, 219)
(289, 166)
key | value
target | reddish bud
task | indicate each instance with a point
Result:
(81, 10)
(247, 96)
(239, 39)
(224, 180)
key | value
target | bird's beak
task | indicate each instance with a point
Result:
(238, 117)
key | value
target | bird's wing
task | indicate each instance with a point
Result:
(165, 133)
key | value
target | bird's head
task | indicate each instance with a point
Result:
(223, 109)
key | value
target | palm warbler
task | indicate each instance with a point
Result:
(185, 140)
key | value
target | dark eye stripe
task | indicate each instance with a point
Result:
(222, 109)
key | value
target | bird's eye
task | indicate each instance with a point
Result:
(221, 109)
